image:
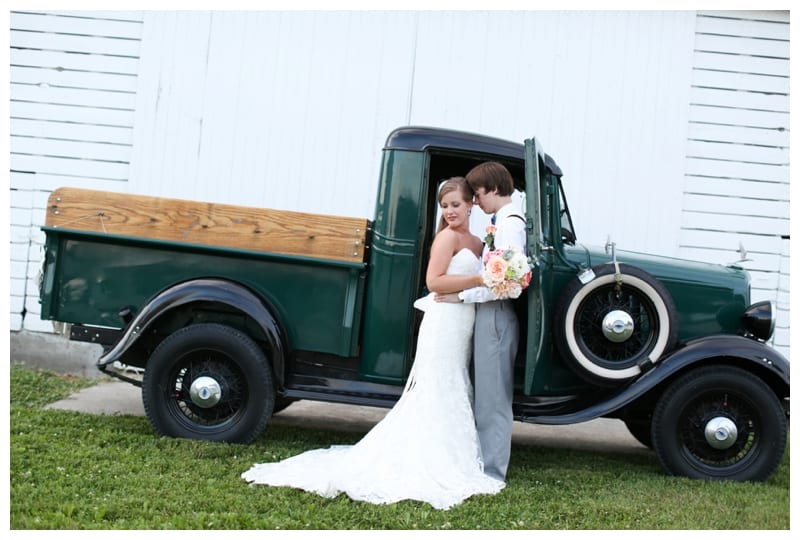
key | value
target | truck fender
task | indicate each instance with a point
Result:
(745, 352)
(204, 290)
(749, 352)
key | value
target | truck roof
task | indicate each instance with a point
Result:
(418, 138)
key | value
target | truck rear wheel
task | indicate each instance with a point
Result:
(719, 423)
(209, 382)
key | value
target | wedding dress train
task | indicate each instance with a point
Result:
(426, 448)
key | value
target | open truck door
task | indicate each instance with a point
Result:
(537, 257)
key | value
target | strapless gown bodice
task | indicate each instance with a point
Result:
(464, 262)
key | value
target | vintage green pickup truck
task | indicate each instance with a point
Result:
(226, 314)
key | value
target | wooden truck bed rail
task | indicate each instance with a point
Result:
(230, 226)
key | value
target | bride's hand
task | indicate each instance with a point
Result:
(451, 298)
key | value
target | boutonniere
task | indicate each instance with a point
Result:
(489, 238)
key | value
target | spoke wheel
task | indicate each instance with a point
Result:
(720, 423)
(608, 327)
(208, 381)
(218, 368)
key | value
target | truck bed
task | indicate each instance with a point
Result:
(106, 252)
(193, 222)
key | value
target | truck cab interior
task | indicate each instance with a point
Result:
(442, 166)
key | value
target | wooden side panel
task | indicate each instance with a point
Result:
(230, 226)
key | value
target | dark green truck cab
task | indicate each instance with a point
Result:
(226, 335)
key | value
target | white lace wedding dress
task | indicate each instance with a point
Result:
(426, 448)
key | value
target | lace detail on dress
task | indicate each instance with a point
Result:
(426, 448)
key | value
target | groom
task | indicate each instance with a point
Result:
(496, 336)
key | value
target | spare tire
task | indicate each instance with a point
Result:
(611, 326)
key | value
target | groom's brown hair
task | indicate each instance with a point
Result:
(491, 175)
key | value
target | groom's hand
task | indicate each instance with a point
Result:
(451, 298)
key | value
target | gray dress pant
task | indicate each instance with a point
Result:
(495, 347)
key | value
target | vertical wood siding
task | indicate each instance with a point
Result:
(283, 110)
(737, 166)
(290, 110)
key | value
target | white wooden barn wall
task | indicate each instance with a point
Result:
(73, 98)
(737, 167)
(290, 110)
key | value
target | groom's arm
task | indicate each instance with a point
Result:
(470, 295)
(474, 295)
(511, 233)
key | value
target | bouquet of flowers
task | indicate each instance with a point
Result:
(507, 273)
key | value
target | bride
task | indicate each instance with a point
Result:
(426, 448)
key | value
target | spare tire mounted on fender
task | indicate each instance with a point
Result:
(610, 327)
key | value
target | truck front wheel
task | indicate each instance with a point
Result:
(210, 382)
(719, 423)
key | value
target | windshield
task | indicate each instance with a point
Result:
(567, 230)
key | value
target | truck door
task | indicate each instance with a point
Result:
(538, 256)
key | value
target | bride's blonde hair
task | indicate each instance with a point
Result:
(452, 184)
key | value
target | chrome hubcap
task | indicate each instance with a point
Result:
(721, 432)
(617, 326)
(205, 392)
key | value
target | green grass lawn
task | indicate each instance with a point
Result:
(79, 471)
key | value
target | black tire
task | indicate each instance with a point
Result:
(218, 353)
(582, 309)
(722, 396)
(281, 403)
(640, 429)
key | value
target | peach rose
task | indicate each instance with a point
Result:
(496, 269)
